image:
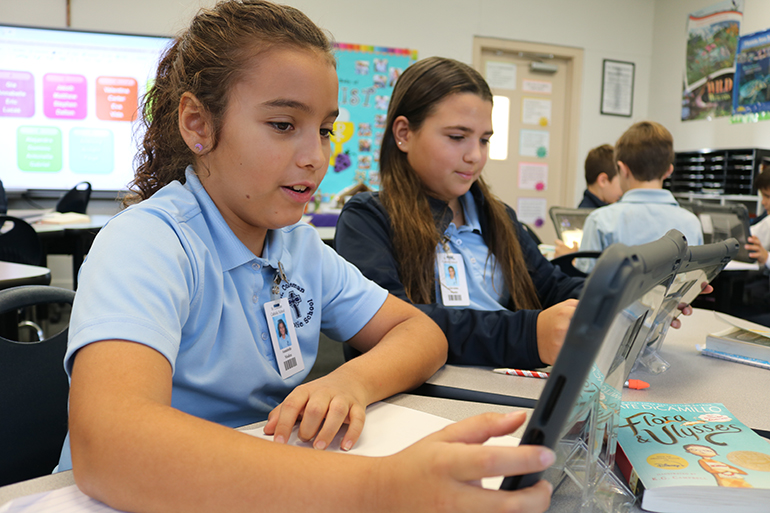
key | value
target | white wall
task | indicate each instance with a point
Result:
(668, 61)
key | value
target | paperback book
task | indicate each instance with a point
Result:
(741, 342)
(685, 458)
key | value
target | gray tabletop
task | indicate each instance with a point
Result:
(691, 378)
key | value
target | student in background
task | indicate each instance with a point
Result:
(645, 157)
(434, 207)
(602, 179)
(602, 186)
(169, 338)
(759, 241)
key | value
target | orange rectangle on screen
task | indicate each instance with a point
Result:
(116, 98)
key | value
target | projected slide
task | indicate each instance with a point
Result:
(69, 105)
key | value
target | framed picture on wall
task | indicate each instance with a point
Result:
(617, 88)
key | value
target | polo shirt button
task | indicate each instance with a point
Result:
(264, 336)
(255, 266)
(255, 298)
(459, 242)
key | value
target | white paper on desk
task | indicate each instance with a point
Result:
(388, 429)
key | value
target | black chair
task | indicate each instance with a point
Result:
(3, 199)
(19, 242)
(532, 233)
(567, 265)
(34, 392)
(75, 199)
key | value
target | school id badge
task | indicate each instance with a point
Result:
(284, 338)
(451, 277)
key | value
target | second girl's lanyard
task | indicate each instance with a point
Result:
(451, 276)
(281, 326)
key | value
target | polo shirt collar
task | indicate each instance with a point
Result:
(231, 251)
(649, 196)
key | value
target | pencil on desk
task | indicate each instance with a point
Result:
(520, 372)
(754, 362)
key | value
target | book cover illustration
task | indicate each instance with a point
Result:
(691, 445)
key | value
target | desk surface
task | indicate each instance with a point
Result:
(691, 378)
(452, 410)
(13, 275)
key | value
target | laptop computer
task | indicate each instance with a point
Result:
(721, 222)
(626, 306)
(568, 223)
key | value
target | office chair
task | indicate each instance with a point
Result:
(566, 262)
(19, 242)
(75, 199)
(34, 392)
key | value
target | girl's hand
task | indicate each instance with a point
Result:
(552, 324)
(324, 405)
(443, 471)
(756, 250)
(562, 249)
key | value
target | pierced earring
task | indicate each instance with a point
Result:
(198, 147)
(399, 143)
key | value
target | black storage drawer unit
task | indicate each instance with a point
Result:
(717, 172)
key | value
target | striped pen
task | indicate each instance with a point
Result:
(520, 372)
(746, 360)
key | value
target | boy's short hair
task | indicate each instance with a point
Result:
(763, 180)
(600, 160)
(647, 148)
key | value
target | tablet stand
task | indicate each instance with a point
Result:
(586, 453)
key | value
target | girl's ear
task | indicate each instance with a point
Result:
(401, 133)
(194, 124)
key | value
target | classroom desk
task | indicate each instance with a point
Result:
(70, 239)
(453, 410)
(691, 378)
(14, 275)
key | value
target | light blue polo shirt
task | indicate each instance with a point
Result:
(169, 273)
(486, 288)
(640, 216)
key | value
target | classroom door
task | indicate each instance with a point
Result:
(539, 87)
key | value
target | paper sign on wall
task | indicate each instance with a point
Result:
(535, 111)
(534, 143)
(533, 176)
(501, 75)
(536, 86)
(532, 211)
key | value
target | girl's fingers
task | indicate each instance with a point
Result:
(473, 462)
(480, 428)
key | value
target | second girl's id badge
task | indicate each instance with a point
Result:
(451, 275)
(284, 338)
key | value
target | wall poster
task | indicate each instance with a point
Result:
(751, 95)
(712, 40)
(367, 75)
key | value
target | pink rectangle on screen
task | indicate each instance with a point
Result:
(64, 96)
(17, 94)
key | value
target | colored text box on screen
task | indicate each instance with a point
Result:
(116, 98)
(91, 151)
(64, 96)
(17, 94)
(39, 148)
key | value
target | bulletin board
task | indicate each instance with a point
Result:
(366, 75)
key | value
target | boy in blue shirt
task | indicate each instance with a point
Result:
(644, 156)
